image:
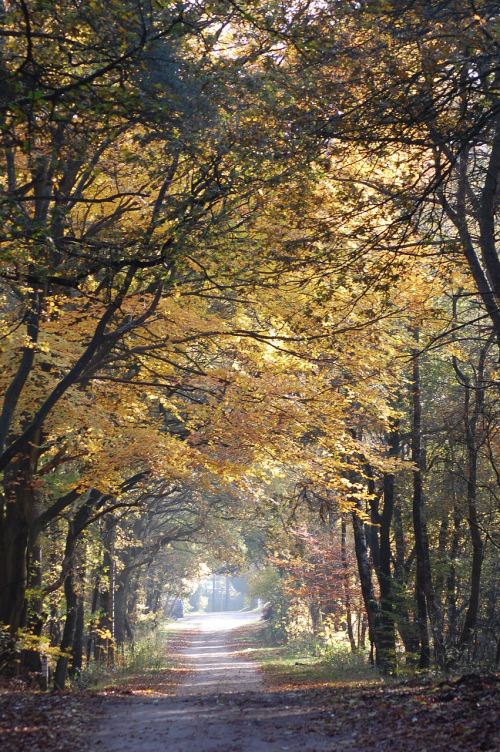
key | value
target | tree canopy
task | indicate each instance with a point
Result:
(249, 286)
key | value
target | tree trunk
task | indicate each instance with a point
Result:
(451, 580)
(91, 642)
(75, 528)
(472, 418)
(441, 566)
(425, 598)
(31, 659)
(104, 647)
(362, 631)
(418, 519)
(345, 582)
(77, 649)
(365, 577)
(68, 632)
(122, 627)
(387, 631)
(16, 518)
(405, 625)
(74, 605)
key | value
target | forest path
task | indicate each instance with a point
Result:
(221, 706)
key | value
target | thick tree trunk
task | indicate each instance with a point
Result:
(13, 566)
(16, 518)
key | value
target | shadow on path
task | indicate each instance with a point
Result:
(221, 706)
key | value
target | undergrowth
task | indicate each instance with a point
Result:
(146, 654)
(306, 660)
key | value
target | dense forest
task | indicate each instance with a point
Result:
(250, 292)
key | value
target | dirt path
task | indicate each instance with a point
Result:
(223, 706)
(219, 707)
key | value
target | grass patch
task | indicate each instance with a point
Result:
(296, 664)
(151, 661)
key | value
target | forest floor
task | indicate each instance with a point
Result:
(236, 695)
(216, 698)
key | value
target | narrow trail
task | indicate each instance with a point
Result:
(221, 705)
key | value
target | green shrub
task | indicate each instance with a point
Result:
(147, 653)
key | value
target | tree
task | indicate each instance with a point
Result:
(113, 175)
(222, 225)
(405, 100)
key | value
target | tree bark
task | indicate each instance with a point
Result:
(425, 597)
(75, 528)
(387, 617)
(16, 519)
(365, 577)
(345, 582)
(451, 579)
(77, 648)
(418, 519)
(104, 647)
(68, 631)
(122, 626)
(472, 416)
